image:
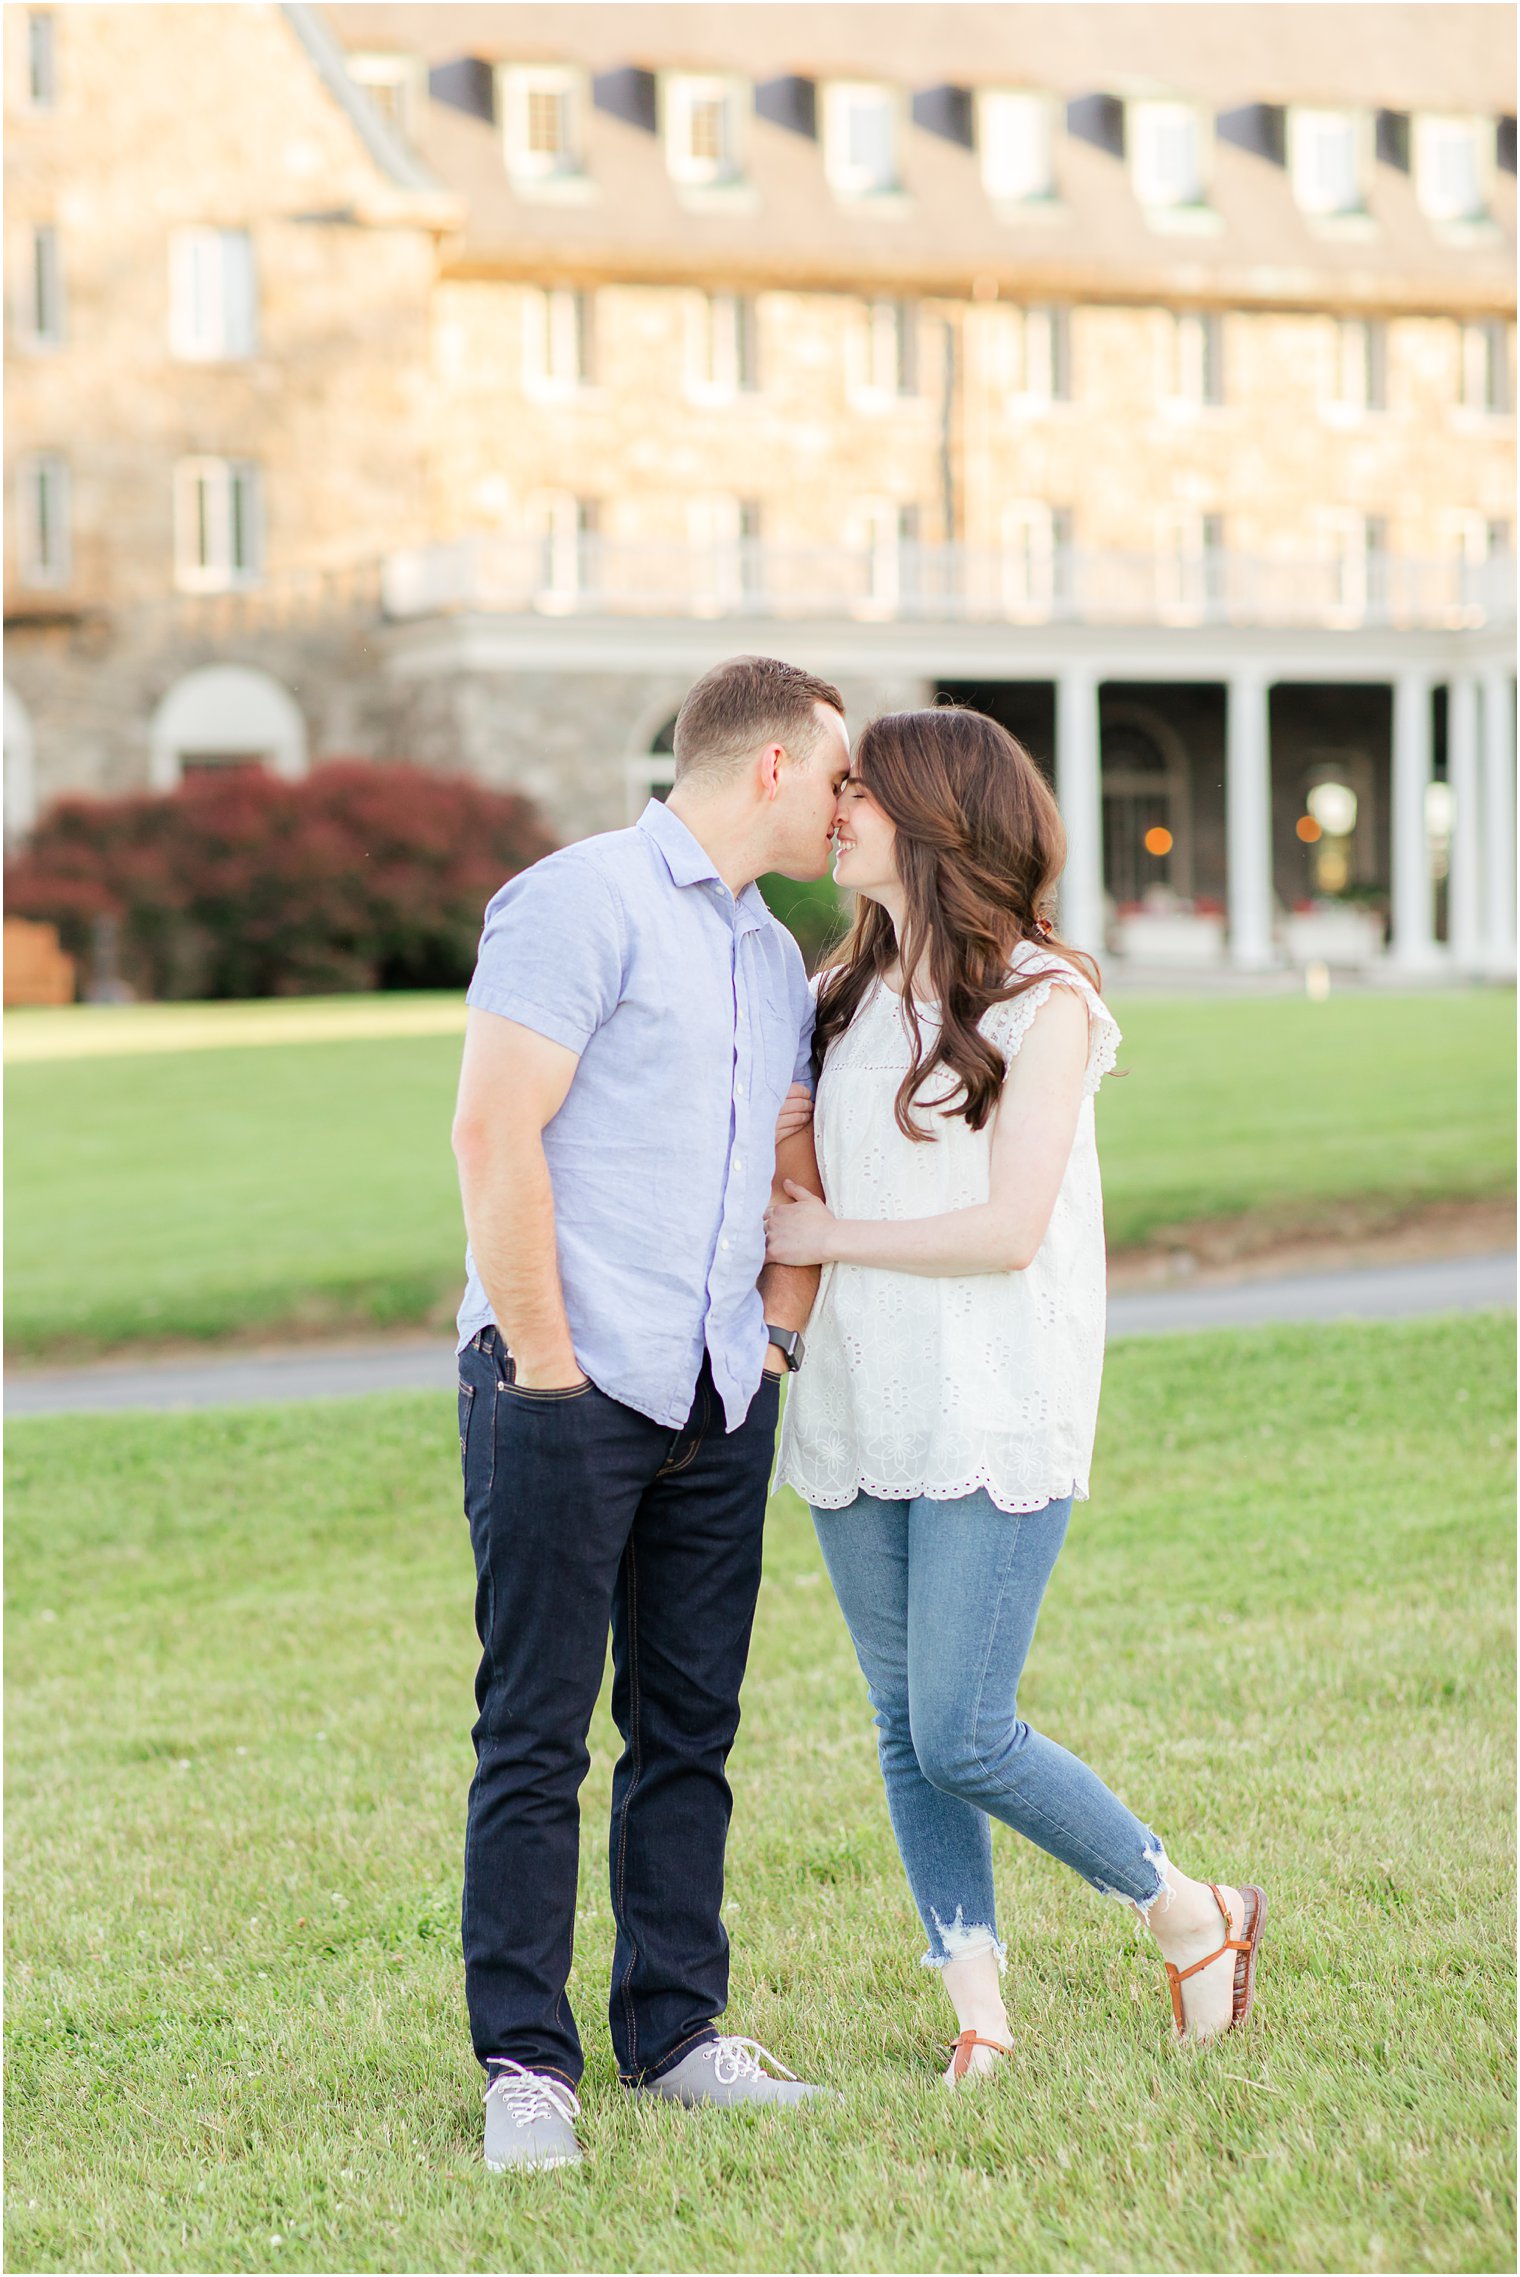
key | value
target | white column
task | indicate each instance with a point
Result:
(1079, 791)
(1413, 945)
(1464, 771)
(1499, 824)
(1248, 821)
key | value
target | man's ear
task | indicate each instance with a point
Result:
(770, 768)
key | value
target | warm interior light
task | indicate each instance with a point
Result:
(1333, 806)
(1308, 829)
(1158, 841)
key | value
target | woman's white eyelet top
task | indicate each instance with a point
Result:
(939, 1386)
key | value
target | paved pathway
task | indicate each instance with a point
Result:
(1394, 1292)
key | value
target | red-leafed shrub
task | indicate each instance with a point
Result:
(237, 884)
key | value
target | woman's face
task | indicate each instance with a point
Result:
(865, 843)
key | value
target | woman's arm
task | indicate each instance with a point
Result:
(1031, 1145)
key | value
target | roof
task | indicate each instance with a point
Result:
(944, 234)
(415, 190)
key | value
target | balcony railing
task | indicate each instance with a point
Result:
(596, 576)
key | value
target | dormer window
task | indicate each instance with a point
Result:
(1015, 142)
(860, 139)
(1326, 160)
(392, 83)
(540, 110)
(702, 129)
(1452, 161)
(1166, 154)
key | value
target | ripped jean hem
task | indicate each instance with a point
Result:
(961, 1940)
(1160, 1883)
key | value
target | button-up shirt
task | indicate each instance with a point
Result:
(690, 1013)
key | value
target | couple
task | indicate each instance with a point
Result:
(647, 1221)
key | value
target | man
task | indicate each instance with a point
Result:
(636, 1020)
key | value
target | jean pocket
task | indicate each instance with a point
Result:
(548, 1396)
(466, 1403)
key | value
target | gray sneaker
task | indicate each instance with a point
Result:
(529, 2120)
(728, 2071)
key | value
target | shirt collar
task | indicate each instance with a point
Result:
(686, 861)
(690, 864)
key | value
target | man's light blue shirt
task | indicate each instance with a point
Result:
(691, 1014)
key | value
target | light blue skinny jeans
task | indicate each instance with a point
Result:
(941, 1599)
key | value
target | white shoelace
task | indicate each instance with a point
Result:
(530, 2095)
(737, 2058)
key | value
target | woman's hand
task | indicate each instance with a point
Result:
(796, 1112)
(799, 1231)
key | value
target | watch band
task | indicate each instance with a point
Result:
(788, 1342)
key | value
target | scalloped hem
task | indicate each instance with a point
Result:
(1020, 1507)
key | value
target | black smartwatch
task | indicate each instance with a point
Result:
(788, 1342)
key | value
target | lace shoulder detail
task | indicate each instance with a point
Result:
(1007, 1024)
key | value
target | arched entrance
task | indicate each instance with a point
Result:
(652, 773)
(20, 770)
(1147, 807)
(225, 715)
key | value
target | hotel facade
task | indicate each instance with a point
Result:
(455, 383)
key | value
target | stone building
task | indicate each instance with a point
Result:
(456, 382)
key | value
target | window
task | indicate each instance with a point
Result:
(566, 528)
(1196, 358)
(1474, 542)
(1326, 160)
(860, 139)
(218, 525)
(723, 344)
(1361, 365)
(41, 59)
(1486, 367)
(392, 85)
(727, 561)
(43, 323)
(1015, 140)
(702, 129)
(1356, 546)
(890, 345)
(559, 345)
(1189, 564)
(42, 519)
(1166, 154)
(1036, 558)
(1039, 347)
(888, 533)
(213, 300)
(541, 121)
(1453, 158)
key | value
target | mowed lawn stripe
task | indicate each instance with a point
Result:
(240, 1655)
(311, 1186)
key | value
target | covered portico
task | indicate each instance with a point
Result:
(1417, 804)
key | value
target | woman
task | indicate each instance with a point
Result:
(943, 1423)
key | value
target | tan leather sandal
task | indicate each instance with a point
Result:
(1243, 1947)
(960, 2062)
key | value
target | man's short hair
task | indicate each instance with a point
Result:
(743, 703)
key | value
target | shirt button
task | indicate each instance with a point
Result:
(738, 1162)
(723, 1244)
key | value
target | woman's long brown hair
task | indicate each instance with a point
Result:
(979, 849)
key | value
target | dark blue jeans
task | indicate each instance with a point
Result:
(584, 1514)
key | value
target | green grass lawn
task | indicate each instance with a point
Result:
(194, 1193)
(240, 1658)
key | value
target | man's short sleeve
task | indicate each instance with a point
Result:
(805, 1006)
(551, 955)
